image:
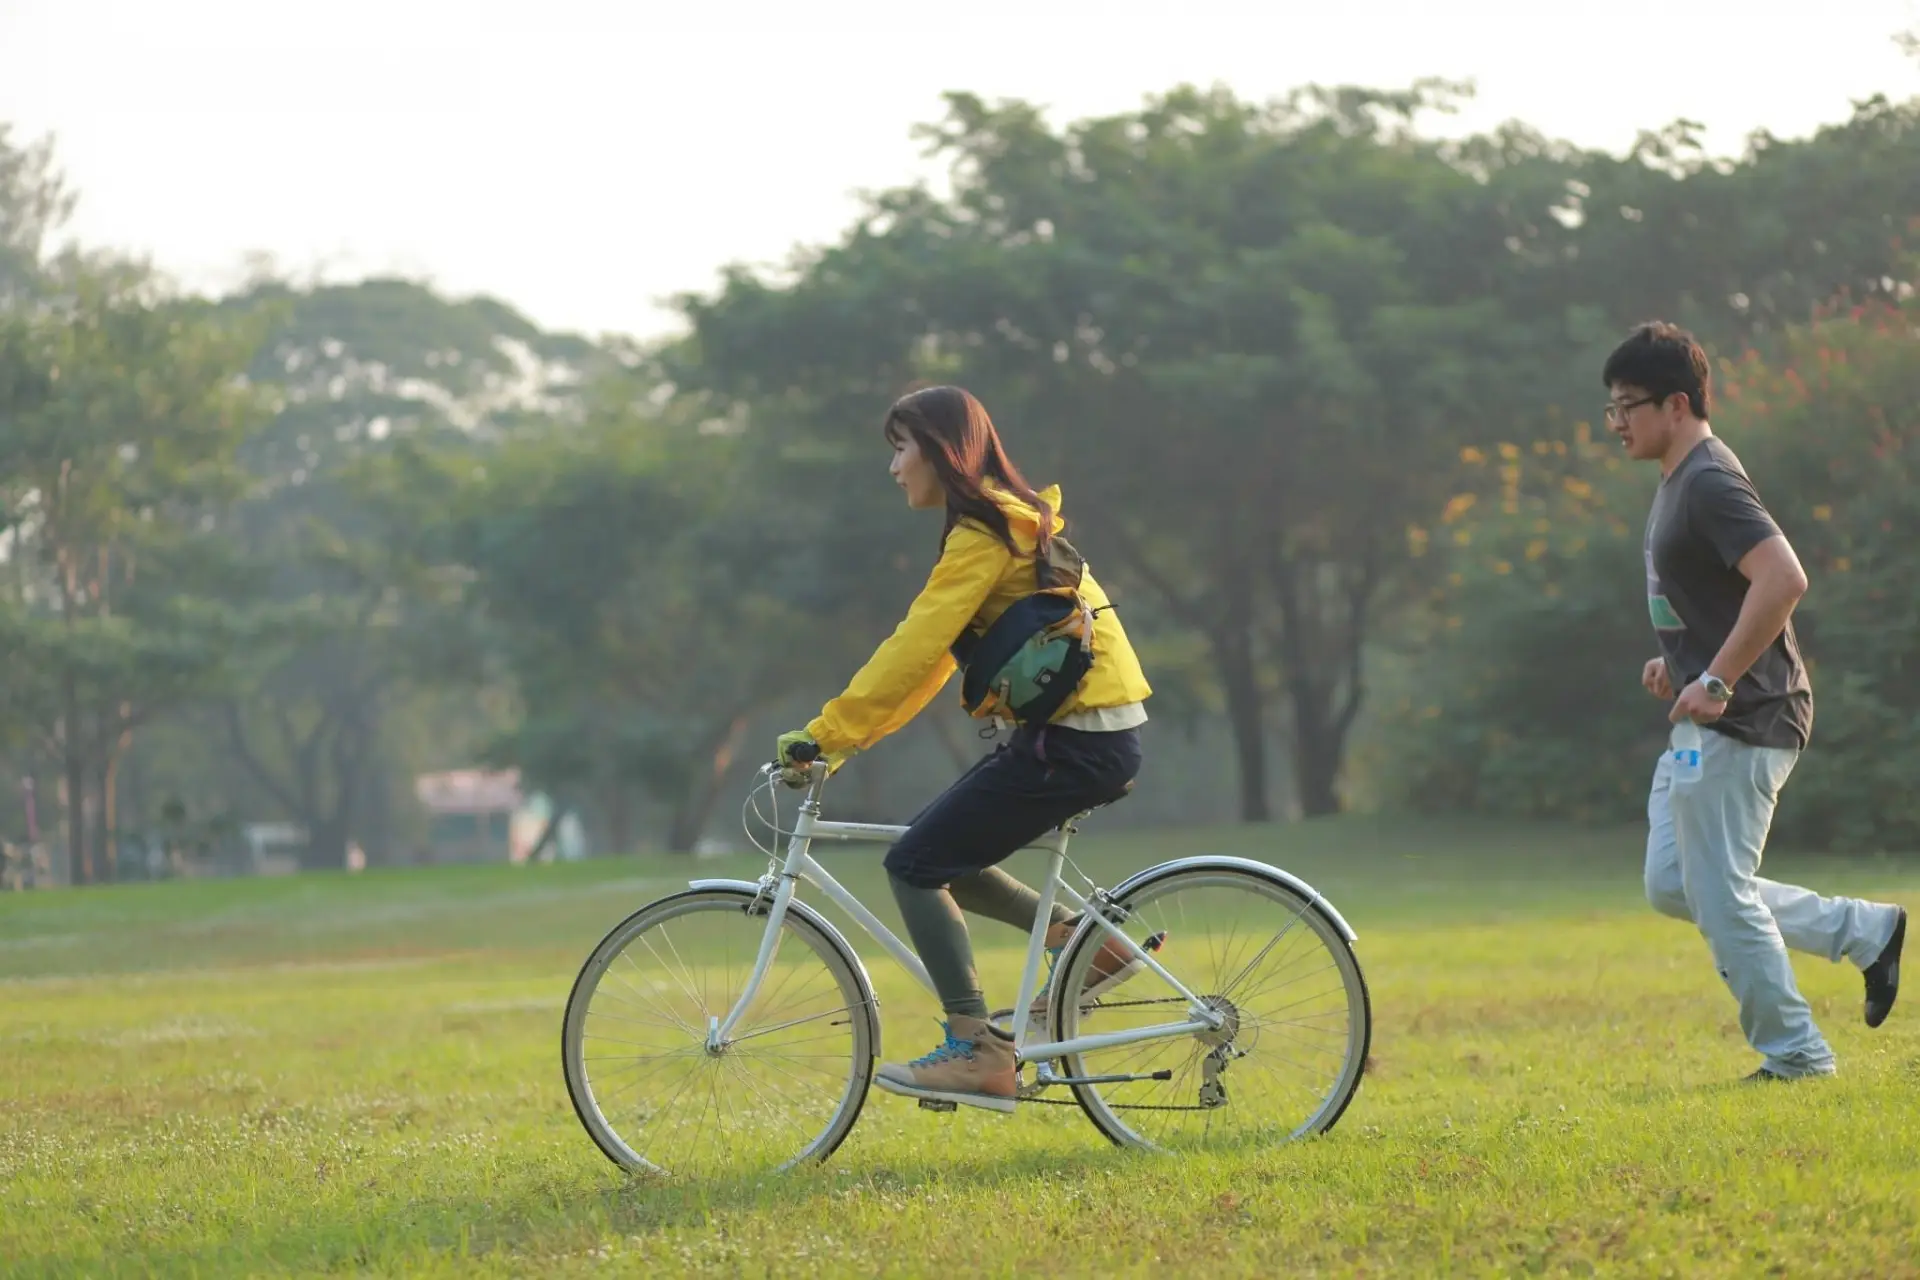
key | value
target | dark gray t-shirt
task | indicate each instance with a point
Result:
(1705, 518)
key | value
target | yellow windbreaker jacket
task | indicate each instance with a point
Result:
(976, 578)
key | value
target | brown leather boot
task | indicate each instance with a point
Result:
(974, 1066)
(1112, 965)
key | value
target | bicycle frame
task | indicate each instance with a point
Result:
(799, 864)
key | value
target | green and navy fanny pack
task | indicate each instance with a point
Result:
(1026, 665)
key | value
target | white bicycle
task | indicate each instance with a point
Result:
(731, 1027)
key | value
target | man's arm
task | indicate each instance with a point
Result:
(1723, 508)
(1776, 583)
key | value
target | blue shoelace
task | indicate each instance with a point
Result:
(953, 1048)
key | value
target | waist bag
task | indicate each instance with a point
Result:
(1027, 664)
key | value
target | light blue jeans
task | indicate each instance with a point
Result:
(1704, 844)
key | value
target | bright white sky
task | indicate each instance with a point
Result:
(586, 159)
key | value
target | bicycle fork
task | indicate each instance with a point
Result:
(719, 1029)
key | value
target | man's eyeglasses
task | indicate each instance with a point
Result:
(1617, 411)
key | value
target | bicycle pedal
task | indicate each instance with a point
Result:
(938, 1104)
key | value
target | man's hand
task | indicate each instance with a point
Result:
(1695, 705)
(1653, 678)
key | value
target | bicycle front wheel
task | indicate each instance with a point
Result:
(1296, 1019)
(787, 1085)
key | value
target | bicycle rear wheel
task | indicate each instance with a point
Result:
(1258, 951)
(786, 1087)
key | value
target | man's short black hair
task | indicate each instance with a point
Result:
(1663, 360)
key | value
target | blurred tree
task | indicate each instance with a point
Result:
(1244, 332)
(34, 202)
(1268, 350)
(1735, 248)
(1830, 428)
(327, 726)
(1530, 703)
(1526, 699)
(608, 573)
(122, 412)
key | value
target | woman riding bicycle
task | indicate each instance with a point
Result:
(1001, 546)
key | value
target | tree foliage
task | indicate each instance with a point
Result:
(122, 419)
(1541, 626)
(1309, 378)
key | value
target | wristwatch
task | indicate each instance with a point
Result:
(1717, 689)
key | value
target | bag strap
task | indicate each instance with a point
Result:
(1062, 566)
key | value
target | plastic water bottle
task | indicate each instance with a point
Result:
(1684, 750)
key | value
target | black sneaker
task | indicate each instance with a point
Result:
(1883, 975)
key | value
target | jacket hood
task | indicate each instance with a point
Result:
(1023, 517)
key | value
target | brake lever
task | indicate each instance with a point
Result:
(797, 777)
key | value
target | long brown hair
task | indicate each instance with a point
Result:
(956, 435)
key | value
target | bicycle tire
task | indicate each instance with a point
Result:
(843, 968)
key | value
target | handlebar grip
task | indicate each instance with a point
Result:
(803, 752)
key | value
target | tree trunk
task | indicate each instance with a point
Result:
(332, 825)
(1223, 610)
(116, 736)
(136, 783)
(73, 796)
(109, 834)
(372, 823)
(326, 844)
(1319, 749)
(549, 832)
(690, 817)
(1246, 712)
(348, 753)
(73, 756)
(619, 816)
(336, 748)
(1323, 629)
(696, 807)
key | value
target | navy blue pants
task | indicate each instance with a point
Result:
(1011, 798)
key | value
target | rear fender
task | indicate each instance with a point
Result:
(1246, 866)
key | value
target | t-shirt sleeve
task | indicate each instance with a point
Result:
(1723, 508)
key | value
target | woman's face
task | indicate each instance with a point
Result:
(912, 472)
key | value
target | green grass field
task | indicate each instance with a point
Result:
(334, 1074)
